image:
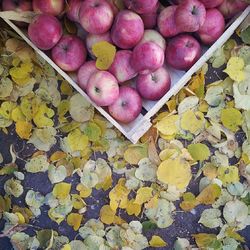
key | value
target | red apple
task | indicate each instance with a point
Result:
(128, 105)
(73, 9)
(166, 22)
(150, 19)
(70, 53)
(103, 88)
(141, 6)
(85, 72)
(127, 29)
(121, 67)
(50, 7)
(209, 4)
(155, 85)
(155, 37)
(190, 15)
(45, 31)
(213, 27)
(230, 8)
(182, 52)
(147, 57)
(113, 6)
(17, 5)
(91, 39)
(96, 16)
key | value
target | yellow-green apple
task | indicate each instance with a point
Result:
(211, 3)
(96, 16)
(141, 6)
(103, 88)
(91, 39)
(50, 7)
(85, 72)
(190, 15)
(182, 51)
(128, 105)
(230, 8)
(127, 29)
(45, 31)
(17, 5)
(166, 22)
(121, 67)
(147, 57)
(155, 37)
(69, 53)
(213, 27)
(154, 85)
(73, 9)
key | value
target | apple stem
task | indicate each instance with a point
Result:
(194, 10)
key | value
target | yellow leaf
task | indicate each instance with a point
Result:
(66, 88)
(143, 195)
(133, 208)
(77, 140)
(171, 104)
(228, 174)
(61, 190)
(176, 172)
(210, 171)
(189, 202)
(135, 153)
(58, 155)
(204, 240)
(43, 115)
(197, 84)
(6, 109)
(105, 53)
(157, 241)
(168, 125)
(23, 129)
(153, 202)
(107, 215)
(17, 114)
(235, 69)
(66, 247)
(231, 118)
(21, 219)
(74, 220)
(84, 191)
(192, 121)
(209, 194)
(119, 195)
(199, 151)
(77, 201)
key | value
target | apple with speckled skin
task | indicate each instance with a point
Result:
(69, 53)
(121, 67)
(141, 6)
(190, 15)
(91, 39)
(102, 88)
(96, 16)
(50, 7)
(17, 5)
(128, 105)
(154, 85)
(73, 9)
(166, 22)
(85, 72)
(45, 31)
(147, 57)
(209, 4)
(230, 8)
(155, 37)
(127, 29)
(182, 52)
(213, 27)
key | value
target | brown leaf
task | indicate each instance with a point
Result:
(243, 172)
(152, 152)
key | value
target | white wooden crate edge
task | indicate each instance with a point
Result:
(140, 126)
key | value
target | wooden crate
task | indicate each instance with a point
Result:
(137, 128)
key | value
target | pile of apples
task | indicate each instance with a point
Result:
(147, 35)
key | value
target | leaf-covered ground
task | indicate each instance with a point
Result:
(69, 180)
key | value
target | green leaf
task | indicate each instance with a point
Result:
(199, 151)
(245, 35)
(148, 225)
